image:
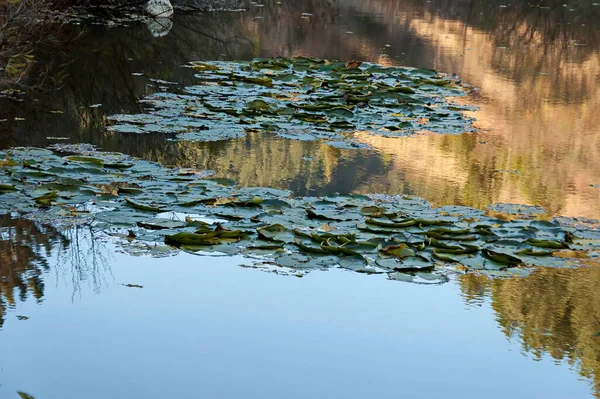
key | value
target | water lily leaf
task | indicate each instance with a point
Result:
(418, 277)
(258, 105)
(267, 247)
(219, 236)
(499, 257)
(299, 261)
(89, 160)
(390, 224)
(531, 252)
(143, 207)
(48, 198)
(249, 202)
(397, 276)
(444, 257)
(547, 243)
(276, 233)
(305, 247)
(118, 165)
(411, 263)
(323, 214)
(399, 251)
(160, 224)
(222, 181)
(464, 249)
(331, 246)
(438, 236)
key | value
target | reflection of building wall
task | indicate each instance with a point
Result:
(553, 312)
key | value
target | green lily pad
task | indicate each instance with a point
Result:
(161, 224)
(366, 234)
(291, 96)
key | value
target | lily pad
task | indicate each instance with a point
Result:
(367, 234)
(291, 97)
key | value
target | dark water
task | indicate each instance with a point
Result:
(538, 68)
(205, 327)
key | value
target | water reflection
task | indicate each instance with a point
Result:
(24, 247)
(159, 27)
(553, 312)
(537, 68)
(26, 251)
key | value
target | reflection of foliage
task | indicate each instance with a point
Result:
(24, 246)
(553, 311)
(443, 170)
(21, 36)
(15, 39)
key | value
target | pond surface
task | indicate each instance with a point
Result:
(206, 326)
(211, 328)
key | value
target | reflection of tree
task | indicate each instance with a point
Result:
(529, 112)
(553, 311)
(25, 248)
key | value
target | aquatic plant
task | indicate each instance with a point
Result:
(142, 202)
(302, 99)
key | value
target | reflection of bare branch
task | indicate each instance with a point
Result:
(26, 246)
(85, 259)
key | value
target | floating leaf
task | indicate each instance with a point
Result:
(399, 251)
(276, 233)
(160, 224)
(143, 207)
(547, 243)
(500, 257)
(367, 234)
(292, 96)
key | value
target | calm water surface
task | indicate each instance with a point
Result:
(205, 327)
(208, 328)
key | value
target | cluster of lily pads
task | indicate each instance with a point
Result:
(304, 99)
(162, 210)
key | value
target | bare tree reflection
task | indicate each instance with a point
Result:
(26, 248)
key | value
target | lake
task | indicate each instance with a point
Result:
(80, 316)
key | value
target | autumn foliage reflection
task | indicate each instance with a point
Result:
(24, 247)
(553, 312)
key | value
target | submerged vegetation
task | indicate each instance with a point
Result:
(303, 99)
(148, 205)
